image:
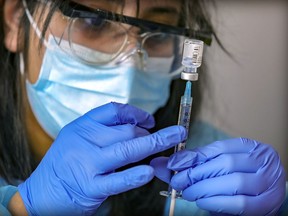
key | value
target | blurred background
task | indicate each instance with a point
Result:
(248, 96)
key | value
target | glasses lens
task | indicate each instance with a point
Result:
(98, 35)
(100, 41)
(163, 45)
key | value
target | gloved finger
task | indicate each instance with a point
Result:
(234, 184)
(119, 182)
(232, 205)
(203, 154)
(118, 133)
(134, 150)
(219, 166)
(160, 168)
(109, 135)
(131, 131)
(116, 114)
(270, 201)
(231, 163)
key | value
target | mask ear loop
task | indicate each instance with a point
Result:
(176, 73)
(22, 65)
(34, 24)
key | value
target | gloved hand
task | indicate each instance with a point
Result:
(237, 176)
(77, 173)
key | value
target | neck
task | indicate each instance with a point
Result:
(39, 141)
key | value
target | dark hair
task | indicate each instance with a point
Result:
(16, 161)
(14, 152)
(15, 155)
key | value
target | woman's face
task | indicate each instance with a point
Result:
(163, 11)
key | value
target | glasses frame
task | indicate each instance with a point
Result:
(74, 10)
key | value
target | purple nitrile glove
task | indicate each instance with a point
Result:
(78, 172)
(236, 176)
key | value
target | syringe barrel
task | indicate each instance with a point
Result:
(184, 119)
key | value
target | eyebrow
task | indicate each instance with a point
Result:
(171, 10)
(92, 2)
(163, 15)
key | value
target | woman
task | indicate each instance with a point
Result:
(62, 62)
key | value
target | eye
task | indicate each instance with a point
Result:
(94, 23)
(160, 39)
(93, 27)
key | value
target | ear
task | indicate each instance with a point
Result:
(12, 15)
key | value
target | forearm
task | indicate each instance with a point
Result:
(16, 206)
(11, 202)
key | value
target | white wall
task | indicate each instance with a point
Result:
(249, 97)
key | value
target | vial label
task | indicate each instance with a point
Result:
(192, 53)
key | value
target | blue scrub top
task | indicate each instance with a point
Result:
(203, 134)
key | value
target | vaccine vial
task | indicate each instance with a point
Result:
(192, 58)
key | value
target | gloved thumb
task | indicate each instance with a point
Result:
(160, 168)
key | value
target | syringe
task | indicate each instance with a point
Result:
(184, 120)
(191, 60)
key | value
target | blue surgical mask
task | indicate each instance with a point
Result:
(67, 88)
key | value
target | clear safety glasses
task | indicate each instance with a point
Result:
(117, 36)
